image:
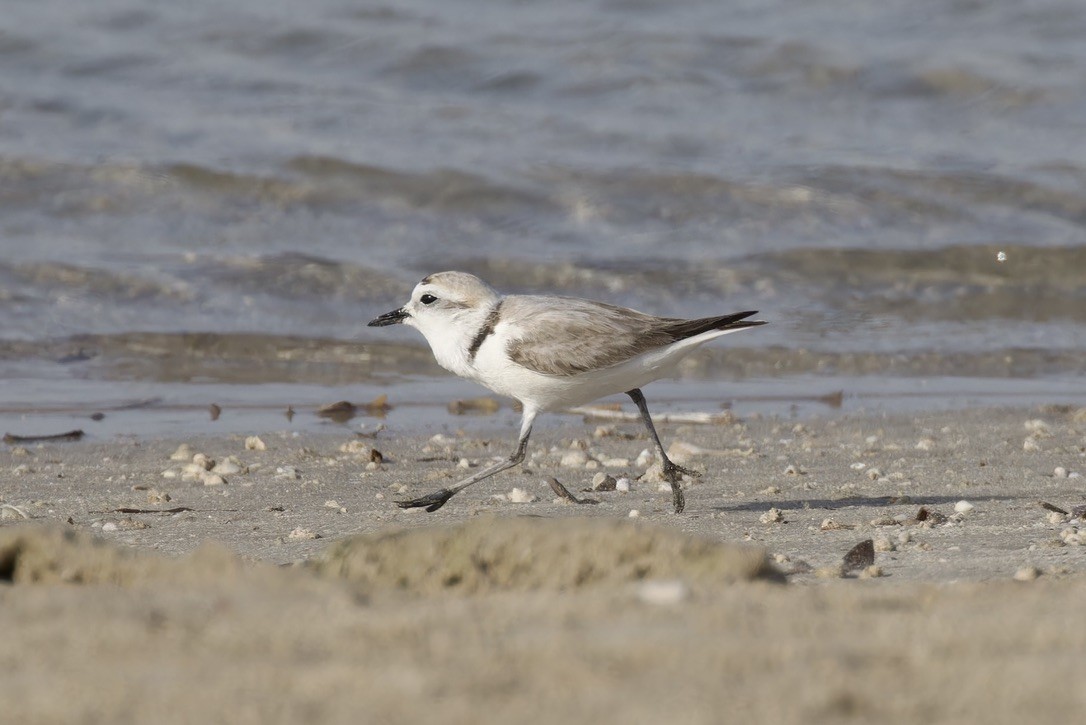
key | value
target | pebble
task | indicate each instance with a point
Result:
(963, 507)
(213, 479)
(857, 466)
(228, 467)
(253, 443)
(769, 490)
(1059, 472)
(884, 544)
(109, 526)
(183, 453)
(203, 461)
(463, 463)
(1030, 446)
(355, 447)
(645, 458)
(871, 572)
(663, 592)
(834, 571)
(300, 534)
(873, 473)
(634, 513)
(603, 482)
(1027, 574)
(21, 470)
(831, 525)
(772, 516)
(1054, 517)
(1072, 536)
(171, 473)
(19, 452)
(156, 496)
(1037, 427)
(287, 472)
(519, 495)
(925, 444)
(622, 485)
(574, 459)
(7, 511)
(885, 521)
(793, 470)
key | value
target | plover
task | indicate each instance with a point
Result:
(550, 353)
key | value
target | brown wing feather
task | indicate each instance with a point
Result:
(581, 335)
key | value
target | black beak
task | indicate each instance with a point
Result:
(389, 318)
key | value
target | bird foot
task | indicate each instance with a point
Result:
(673, 473)
(431, 501)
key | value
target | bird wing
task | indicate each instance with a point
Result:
(566, 336)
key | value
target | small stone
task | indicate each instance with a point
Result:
(574, 459)
(617, 463)
(1027, 574)
(213, 479)
(21, 470)
(622, 485)
(904, 537)
(1037, 427)
(645, 458)
(871, 572)
(203, 461)
(463, 463)
(883, 544)
(925, 444)
(300, 534)
(331, 504)
(227, 467)
(857, 466)
(794, 470)
(873, 473)
(634, 513)
(662, 592)
(7, 511)
(109, 526)
(1056, 518)
(963, 507)
(772, 516)
(1029, 445)
(156, 496)
(19, 452)
(253, 443)
(603, 482)
(834, 571)
(885, 521)
(287, 472)
(831, 525)
(183, 453)
(171, 473)
(1059, 472)
(769, 491)
(519, 495)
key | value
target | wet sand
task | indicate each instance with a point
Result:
(137, 596)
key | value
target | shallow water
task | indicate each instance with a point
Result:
(205, 202)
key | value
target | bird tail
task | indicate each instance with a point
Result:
(683, 329)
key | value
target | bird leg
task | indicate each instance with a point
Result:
(673, 472)
(433, 501)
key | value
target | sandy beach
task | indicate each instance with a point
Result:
(283, 585)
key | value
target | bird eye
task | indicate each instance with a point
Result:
(427, 299)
